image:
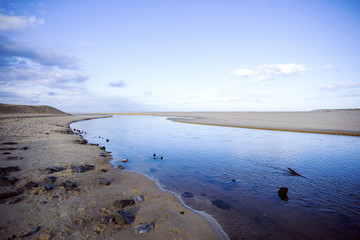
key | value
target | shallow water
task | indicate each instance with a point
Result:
(324, 203)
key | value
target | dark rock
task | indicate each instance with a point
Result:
(107, 140)
(7, 195)
(36, 229)
(108, 219)
(31, 184)
(4, 171)
(139, 199)
(123, 203)
(7, 153)
(82, 141)
(50, 179)
(128, 218)
(144, 228)
(49, 187)
(9, 143)
(102, 148)
(8, 181)
(121, 167)
(221, 204)
(187, 195)
(283, 193)
(102, 155)
(44, 202)
(12, 158)
(104, 170)
(103, 181)
(82, 168)
(8, 149)
(55, 169)
(25, 148)
(182, 212)
(68, 185)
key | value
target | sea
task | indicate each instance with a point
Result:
(234, 174)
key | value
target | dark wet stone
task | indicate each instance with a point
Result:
(82, 168)
(49, 187)
(82, 141)
(7, 195)
(104, 170)
(103, 181)
(187, 195)
(25, 148)
(102, 155)
(44, 202)
(108, 219)
(8, 181)
(221, 204)
(102, 148)
(55, 169)
(31, 184)
(182, 212)
(128, 218)
(139, 198)
(283, 193)
(68, 185)
(50, 179)
(107, 140)
(32, 232)
(121, 167)
(8, 149)
(7, 153)
(144, 228)
(9, 143)
(4, 171)
(123, 203)
(12, 158)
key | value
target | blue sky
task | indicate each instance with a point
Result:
(120, 56)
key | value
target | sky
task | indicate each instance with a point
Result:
(180, 55)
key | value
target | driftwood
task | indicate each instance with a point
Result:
(293, 172)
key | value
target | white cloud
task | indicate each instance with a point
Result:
(243, 72)
(8, 23)
(268, 72)
(337, 86)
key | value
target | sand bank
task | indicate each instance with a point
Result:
(81, 204)
(343, 122)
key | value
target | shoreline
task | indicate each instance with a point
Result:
(88, 210)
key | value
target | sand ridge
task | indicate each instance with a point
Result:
(340, 122)
(86, 211)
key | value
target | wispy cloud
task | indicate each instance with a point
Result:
(337, 86)
(271, 71)
(8, 23)
(119, 84)
(48, 57)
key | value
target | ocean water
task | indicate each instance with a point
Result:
(234, 174)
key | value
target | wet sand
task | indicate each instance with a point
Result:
(343, 122)
(81, 205)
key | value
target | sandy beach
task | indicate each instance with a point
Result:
(343, 122)
(54, 186)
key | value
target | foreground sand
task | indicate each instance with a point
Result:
(344, 122)
(86, 211)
